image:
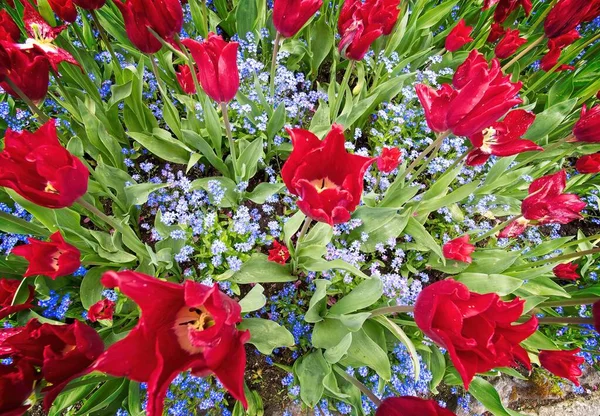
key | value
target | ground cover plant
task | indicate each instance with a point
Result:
(248, 207)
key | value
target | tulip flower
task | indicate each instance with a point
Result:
(496, 32)
(8, 290)
(38, 168)
(279, 253)
(476, 330)
(182, 327)
(64, 9)
(389, 159)
(502, 138)
(567, 271)
(217, 66)
(29, 70)
(514, 229)
(165, 17)
(563, 364)
(9, 31)
(63, 352)
(90, 4)
(479, 95)
(509, 44)
(186, 79)
(587, 128)
(54, 259)
(459, 249)
(547, 204)
(459, 36)
(16, 385)
(551, 58)
(290, 15)
(101, 310)
(588, 163)
(506, 7)
(411, 406)
(360, 24)
(327, 179)
(566, 15)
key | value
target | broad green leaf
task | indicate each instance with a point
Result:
(311, 371)
(490, 283)
(487, 395)
(365, 294)
(318, 302)
(254, 300)
(266, 335)
(365, 351)
(263, 191)
(403, 338)
(422, 236)
(260, 270)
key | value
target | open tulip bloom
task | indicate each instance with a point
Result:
(234, 207)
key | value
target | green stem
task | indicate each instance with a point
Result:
(557, 259)
(91, 208)
(364, 389)
(204, 17)
(389, 310)
(278, 39)
(423, 154)
(569, 302)
(167, 44)
(459, 160)
(427, 160)
(229, 137)
(105, 40)
(494, 230)
(304, 230)
(43, 117)
(340, 96)
(566, 320)
(523, 52)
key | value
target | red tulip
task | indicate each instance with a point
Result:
(587, 129)
(459, 249)
(503, 138)
(28, 70)
(41, 38)
(182, 327)
(389, 159)
(290, 15)
(360, 24)
(509, 44)
(8, 290)
(596, 315)
(567, 271)
(496, 32)
(64, 9)
(551, 58)
(327, 179)
(217, 66)
(547, 204)
(459, 36)
(101, 310)
(411, 406)
(477, 330)
(16, 385)
(54, 259)
(588, 163)
(279, 253)
(9, 31)
(186, 80)
(480, 94)
(64, 352)
(566, 15)
(563, 364)
(90, 4)
(38, 168)
(165, 17)
(514, 229)
(506, 7)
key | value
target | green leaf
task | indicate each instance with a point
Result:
(318, 302)
(422, 236)
(138, 194)
(163, 146)
(248, 160)
(15, 225)
(548, 120)
(311, 371)
(91, 288)
(246, 16)
(196, 141)
(229, 186)
(263, 191)
(379, 223)
(435, 15)
(539, 341)
(260, 270)
(365, 351)
(436, 363)
(487, 395)
(266, 335)
(213, 126)
(335, 354)
(403, 338)
(254, 300)
(291, 227)
(365, 294)
(320, 265)
(106, 394)
(490, 283)
(491, 261)
(322, 40)
(328, 333)
(134, 403)
(276, 122)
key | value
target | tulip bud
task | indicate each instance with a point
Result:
(290, 15)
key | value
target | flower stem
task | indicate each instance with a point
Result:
(423, 154)
(428, 159)
(304, 230)
(569, 256)
(278, 39)
(167, 44)
(352, 380)
(91, 208)
(204, 17)
(567, 320)
(105, 40)
(388, 310)
(229, 137)
(340, 96)
(43, 117)
(568, 302)
(494, 230)
(523, 52)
